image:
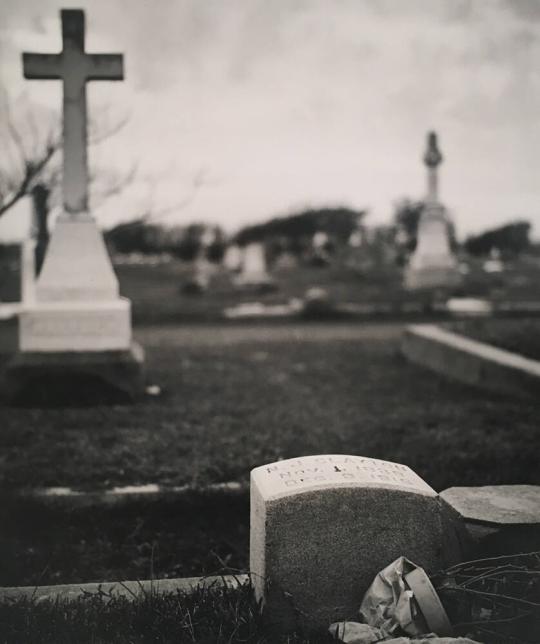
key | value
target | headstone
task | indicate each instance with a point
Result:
(254, 271)
(432, 265)
(77, 323)
(232, 260)
(323, 526)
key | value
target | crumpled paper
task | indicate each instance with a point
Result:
(388, 610)
(387, 603)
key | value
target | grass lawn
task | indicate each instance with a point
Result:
(238, 397)
(144, 539)
(518, 336)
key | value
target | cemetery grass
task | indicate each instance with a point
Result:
(235, 398)
(518, 336)
(156, 291)
(208, 616)
(157, 296)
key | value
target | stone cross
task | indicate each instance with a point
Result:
(432, 158)
(74, 67)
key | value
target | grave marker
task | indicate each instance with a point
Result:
(77, 308)
(323, 526)
(253, 271)
(232, 259)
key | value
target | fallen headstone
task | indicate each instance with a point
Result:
(501, 519)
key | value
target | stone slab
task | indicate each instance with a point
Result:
(470, 361)
(119, 371)
(129, 589)
(76, 326)
(496, 504)
(500, 519)
(323, 526)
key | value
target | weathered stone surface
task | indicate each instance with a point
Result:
(323, 526)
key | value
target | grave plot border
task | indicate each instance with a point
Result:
(131, 590)
(470, 361)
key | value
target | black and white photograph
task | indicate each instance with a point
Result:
(269, 321)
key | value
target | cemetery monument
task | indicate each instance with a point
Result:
(77, 323)
(253, 272)
(432, 264)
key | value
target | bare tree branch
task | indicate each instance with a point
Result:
(32, 170)
(29, 150)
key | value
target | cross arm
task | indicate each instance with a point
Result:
(44, 66)
(105, 67)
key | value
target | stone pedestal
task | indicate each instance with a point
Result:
(62, 378)
(77, 325)
(432, 264)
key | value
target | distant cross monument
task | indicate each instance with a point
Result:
(75, 68)
(432, 264)
(76, 324)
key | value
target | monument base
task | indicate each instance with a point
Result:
(74, 378)
(76, 326)
(432, 277)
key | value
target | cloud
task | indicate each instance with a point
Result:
(311, 101)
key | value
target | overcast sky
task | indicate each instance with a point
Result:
(271, 105)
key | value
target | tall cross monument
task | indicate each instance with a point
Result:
(432, 264)
(432, 159)
(75, 68)
(77, 322)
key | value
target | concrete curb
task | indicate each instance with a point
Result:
(129, 589)
(470, 361)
